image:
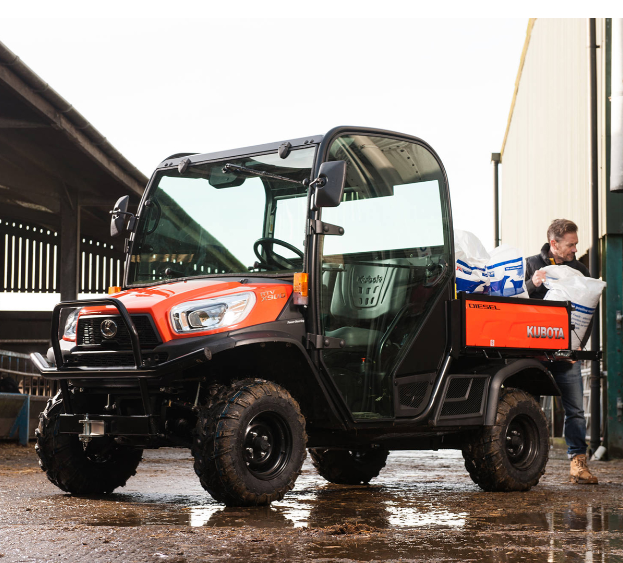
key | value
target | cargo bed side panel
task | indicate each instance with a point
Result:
(497, 322)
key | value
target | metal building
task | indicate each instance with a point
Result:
(565, 108)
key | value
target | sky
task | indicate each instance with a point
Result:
(160, 86)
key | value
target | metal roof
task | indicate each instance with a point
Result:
(48, 149)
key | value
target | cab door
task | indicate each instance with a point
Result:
(386, 280)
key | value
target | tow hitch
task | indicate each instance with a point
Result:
(91, 429)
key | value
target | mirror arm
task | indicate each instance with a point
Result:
(119, 212)
(319, 182)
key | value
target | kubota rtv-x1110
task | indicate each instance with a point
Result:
(289, 296)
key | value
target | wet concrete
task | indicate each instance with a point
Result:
(423, 507)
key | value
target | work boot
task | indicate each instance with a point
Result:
(580, 473)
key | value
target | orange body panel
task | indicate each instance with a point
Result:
(157, 301)
(516, 325)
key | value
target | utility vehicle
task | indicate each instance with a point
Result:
(291, 296)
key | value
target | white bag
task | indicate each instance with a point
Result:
(471, 263)
(567, 284)
(506, 271)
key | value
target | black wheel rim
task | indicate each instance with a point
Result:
(522, 442)
(267, 445)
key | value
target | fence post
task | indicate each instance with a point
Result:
(22, 421)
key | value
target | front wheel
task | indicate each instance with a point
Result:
(97, 468)
(512, 454)
(344, 467)
(249, 445)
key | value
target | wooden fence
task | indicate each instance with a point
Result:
(30, 257)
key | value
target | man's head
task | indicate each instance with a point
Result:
(562, 235)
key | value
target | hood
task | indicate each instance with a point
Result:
(271, 297)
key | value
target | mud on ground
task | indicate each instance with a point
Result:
(423, 507)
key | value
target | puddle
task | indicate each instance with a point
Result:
(423, 507)
(397, 500)
(574, 519)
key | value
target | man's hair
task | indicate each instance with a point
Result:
(559, 228)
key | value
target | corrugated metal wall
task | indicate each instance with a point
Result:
(545, 160)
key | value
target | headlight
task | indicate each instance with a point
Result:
(212, 313)
(70, 325)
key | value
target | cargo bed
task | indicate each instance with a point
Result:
(515, 327)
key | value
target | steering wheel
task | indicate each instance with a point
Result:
(272, 258)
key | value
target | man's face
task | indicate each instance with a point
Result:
(566, 248)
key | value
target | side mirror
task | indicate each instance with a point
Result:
(119, 216)
(332, 176)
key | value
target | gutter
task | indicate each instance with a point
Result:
(616, 115)
(595, 380)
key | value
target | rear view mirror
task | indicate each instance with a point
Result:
(119, 216)
(332, 176)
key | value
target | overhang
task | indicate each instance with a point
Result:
(51, 156)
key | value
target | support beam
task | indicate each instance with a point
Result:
(70, 244)
(612, 270)
(613, 348)
(50, 221)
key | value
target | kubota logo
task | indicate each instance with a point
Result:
(370, 279)
(545, 332)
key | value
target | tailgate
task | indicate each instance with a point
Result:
(520, 324)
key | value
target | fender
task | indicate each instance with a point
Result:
(249, 336)
(527, 374)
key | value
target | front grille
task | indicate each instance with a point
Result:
(89, 332)
(111, 360)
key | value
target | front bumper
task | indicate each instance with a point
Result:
(203, 352)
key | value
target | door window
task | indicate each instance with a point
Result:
(380, 278)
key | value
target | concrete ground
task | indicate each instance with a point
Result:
(423, 507)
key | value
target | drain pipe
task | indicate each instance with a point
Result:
(595, 396)
(496, 159)
(616, 108)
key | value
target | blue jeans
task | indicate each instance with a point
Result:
(568, 376)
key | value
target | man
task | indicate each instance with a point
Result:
(560, 250)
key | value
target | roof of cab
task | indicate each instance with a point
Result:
(175, 159)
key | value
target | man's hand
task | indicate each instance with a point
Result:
(538, 278)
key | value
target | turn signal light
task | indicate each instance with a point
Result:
(113, 289)
(300, 295)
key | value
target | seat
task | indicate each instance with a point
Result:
(364, 300)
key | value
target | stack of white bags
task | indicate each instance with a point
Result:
(502, 271)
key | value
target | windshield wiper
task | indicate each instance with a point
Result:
(241, 170)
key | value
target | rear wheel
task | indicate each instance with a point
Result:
(512, 454)
(344, 467)
(249, 445)
(98, 468)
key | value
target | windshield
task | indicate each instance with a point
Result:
(210, 222)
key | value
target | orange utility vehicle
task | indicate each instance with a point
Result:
(289, 296)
